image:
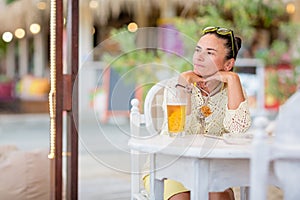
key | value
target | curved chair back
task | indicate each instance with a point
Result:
(154, 108)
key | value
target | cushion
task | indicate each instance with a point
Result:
(24, 174)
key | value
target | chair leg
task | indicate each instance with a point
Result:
(159, 189)
(244, 193)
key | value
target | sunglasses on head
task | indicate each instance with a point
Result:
(221, 31)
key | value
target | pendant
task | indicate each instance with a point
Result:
(205, 110)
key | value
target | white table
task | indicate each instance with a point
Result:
(201, 163)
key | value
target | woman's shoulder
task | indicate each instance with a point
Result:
(170, 82)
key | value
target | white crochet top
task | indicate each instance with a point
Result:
(220, 121)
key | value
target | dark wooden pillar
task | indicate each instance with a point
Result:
(72, 112)
(64, 98)
(58, 105)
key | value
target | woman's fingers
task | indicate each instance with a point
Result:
(220, 76)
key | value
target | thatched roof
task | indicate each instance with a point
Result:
(106, 8)
(21, 13)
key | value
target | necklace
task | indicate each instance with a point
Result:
(205, 110)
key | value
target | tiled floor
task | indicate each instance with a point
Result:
(103, 167)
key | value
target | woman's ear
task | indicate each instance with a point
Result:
(229, 64)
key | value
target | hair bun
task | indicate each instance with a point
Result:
(238, 43)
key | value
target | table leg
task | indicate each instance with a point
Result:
(259, 168)
(200, 186)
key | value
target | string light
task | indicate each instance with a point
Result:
(52, 93)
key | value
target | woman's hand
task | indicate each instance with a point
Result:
(223, 76)
(232, 80)
(234, 86)
(189, 77)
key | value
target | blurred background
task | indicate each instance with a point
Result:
(115, 46)
(269, 29)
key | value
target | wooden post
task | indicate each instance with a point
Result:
(56, 99)
(64, 98)
(72, 107)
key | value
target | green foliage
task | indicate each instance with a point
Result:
(281, 83)
(4, 79)
(139, 63)
(290, 32)
(10, 1)
(3, 46)
(189, 27)
(245, 17)
(274, 54)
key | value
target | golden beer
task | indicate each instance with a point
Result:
(176, 118)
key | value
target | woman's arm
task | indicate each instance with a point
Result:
(235, 91)
(234, 87)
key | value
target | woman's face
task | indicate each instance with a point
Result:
(209, 56)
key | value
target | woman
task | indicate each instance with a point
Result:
(217, 95)
(218, 102)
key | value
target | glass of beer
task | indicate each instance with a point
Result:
(176, 110)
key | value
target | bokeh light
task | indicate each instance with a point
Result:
(93, 4)
(132, 27)
(7, 36)
(35, 28)
(290, 8)
(41, 5)
(20, 33)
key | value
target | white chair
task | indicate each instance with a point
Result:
(283, 154)
(145, 125)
